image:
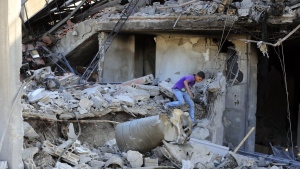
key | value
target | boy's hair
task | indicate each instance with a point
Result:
(201, 74)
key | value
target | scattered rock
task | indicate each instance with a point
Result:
(135, 158)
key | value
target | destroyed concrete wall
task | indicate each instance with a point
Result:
(239, 115)
(11, 57)
(179, 55)
(119, 60)
(80, 35)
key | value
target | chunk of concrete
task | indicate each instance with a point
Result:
(36, 95)
(115, 161)
(3, 165)
(60, 165)
(135, 158)
(29, 152)
(96, 164)
(85, 103)
(148, 162)
(126, 100)
(142, 80)
(200, 133)
(166, 88)
(56, 151)
(29, 131)
(96, 102)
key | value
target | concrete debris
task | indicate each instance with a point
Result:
(166, 88)
(56, 151)
(142, 80)
(91, 100)
(3, 165)
(135, 158)
(200, 133)
(63, 166)
(114, 162)
(148, 162)
(29, 131)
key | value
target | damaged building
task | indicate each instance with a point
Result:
(85, 81)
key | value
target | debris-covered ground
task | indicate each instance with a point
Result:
(62, 121)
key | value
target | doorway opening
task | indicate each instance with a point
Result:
(272, 122)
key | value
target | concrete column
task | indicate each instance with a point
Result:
(101, 38)
(11, 58)
(251, 95)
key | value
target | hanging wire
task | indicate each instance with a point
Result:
(290, 132)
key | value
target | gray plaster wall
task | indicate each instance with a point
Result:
(10, 101)
(239, 115)
(180, 55)
(119, 60)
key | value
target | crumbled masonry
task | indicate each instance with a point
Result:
(98, 74)
(162, 139)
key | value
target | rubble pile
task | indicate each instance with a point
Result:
(151, 138)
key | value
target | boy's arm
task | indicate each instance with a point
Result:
(186, 84)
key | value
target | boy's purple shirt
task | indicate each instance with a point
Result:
(180, 83)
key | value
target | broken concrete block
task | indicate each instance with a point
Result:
(126, 100)
(195, 153)
(60, 165)
(137, 94)
(36, 95)
(92, 91)
(200, 133)
(44, 160)
(29, 152)
(96, 101)
(85, 103)
(27, 156)
(29, 131)
(142, 80)
(115, 161)
(96, 164)
(152, 90)
(148, 162)
(82, 110)
(84, 159)
(187, 164)
(3, 165)
(166, 88)
(135, 158)
(56, 151)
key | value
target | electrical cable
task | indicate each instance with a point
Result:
(290, 132)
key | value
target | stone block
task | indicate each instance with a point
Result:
(85, 103)
(135, 158)
(148, 162)
(126, 100)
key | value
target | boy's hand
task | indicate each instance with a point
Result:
(191, 95)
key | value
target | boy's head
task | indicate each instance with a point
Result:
(199, 76)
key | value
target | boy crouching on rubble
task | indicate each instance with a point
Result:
(182, 91)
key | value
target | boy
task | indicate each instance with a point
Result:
(182, 91)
